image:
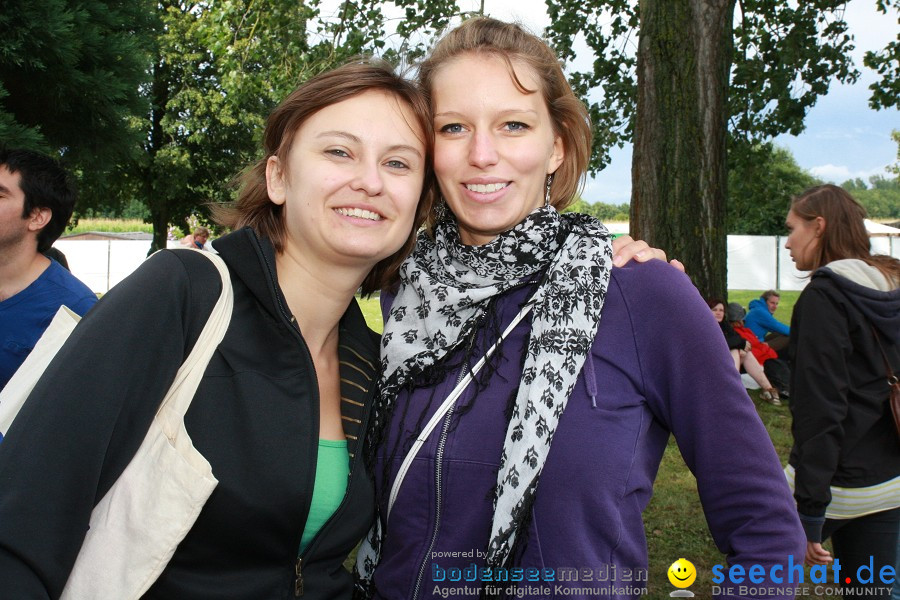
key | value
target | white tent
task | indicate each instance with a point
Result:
(877, 229)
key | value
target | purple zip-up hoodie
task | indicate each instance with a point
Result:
(640, 383)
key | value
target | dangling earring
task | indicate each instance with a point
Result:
(547, 193)
(440, 210)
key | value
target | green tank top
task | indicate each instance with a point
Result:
(332, 472)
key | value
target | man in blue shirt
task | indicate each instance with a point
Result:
(764, 325)
(37, 198)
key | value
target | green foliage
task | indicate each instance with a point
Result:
(218, 70)
(600, 210)
(881, 200)
(885, 91)
(895, 168)
(762, 178)
(784, 55)
(70, 74)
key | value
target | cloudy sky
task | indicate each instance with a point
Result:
(844, 138)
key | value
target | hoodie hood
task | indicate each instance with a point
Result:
(869, 290)
(758, 303)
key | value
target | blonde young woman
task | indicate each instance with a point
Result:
(845, 462)
(547, 459)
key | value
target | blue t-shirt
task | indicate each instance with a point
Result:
(25, 316)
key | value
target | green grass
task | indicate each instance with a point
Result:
(110, 225)
(371, 310)
(674, 521)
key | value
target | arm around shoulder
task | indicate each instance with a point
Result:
(694, 390)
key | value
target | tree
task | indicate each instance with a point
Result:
(885, 91)
(881, 198)
(600, 210)
(70, 75)
(678, 175)
(699, 76)
(762, 179)
(895, 168)
(218, 69)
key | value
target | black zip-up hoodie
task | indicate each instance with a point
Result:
(844, 433)
(255, 419)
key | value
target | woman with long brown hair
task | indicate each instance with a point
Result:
(332, 206)
(845, 331)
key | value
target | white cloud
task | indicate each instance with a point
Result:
(841, 173)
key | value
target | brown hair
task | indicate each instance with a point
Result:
(769, 294)
(713, 302)
(509, 41)
(845, 233)
(253, 207)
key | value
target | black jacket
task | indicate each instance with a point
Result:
(843, 431)
(732, 338)
(255, 419)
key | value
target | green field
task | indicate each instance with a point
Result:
(372, 310)
(674, 521)
(785, 306)
(110, 225)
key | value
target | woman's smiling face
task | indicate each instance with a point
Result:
(352, 180)
(494, 144)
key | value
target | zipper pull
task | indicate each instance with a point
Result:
(298, 582)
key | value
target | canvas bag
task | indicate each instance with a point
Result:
(19, 386)
(136, 527)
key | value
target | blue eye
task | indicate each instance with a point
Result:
(516, 126)
(452, 128)
(337, 152)
(397, 164)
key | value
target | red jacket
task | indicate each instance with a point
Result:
(761, 350)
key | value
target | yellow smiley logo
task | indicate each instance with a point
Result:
(682, 573)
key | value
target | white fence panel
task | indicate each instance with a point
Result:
(755, 262)
(751, 262)
(789, 278)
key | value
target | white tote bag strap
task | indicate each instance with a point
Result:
(187, 379)
(136, 527)
(444, 408)
(19, 387)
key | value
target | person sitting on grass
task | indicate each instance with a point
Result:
(777, 370)
(742, 354)
(762, 322)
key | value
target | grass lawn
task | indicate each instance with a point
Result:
(674, 521)
(785, 306)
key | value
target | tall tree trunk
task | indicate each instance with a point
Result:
(678, 170)
(156, 202)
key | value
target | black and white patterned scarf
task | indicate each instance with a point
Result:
(444, 288)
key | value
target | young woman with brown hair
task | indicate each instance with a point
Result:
(845, 462)
(281, 411)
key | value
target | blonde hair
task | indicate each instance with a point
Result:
(509, 41)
